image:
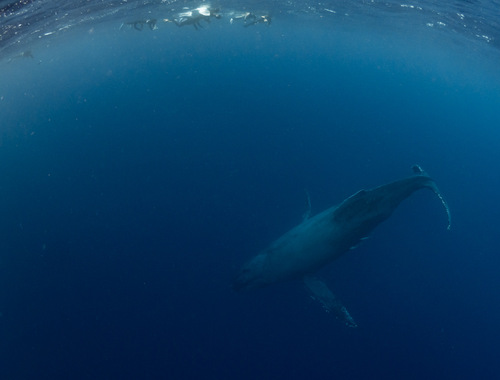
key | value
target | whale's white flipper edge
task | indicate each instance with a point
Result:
(331, 303)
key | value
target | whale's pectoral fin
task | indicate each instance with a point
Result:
(330, 303)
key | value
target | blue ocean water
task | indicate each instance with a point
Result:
(139, 169)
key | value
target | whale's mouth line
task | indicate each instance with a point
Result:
(242, 284)
(237, 285)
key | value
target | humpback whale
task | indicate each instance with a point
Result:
(302, 251)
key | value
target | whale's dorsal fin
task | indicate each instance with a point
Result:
(307, 213)
(327, 299)
(417, 169)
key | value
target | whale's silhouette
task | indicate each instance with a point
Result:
(317, 241)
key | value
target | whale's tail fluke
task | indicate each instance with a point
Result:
(432, 185)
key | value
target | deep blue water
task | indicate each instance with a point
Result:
(140, 170)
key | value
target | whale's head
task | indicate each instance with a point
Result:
(252, 274)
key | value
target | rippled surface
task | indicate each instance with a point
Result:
(470, 22)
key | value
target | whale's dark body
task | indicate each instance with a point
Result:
(315, 242)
